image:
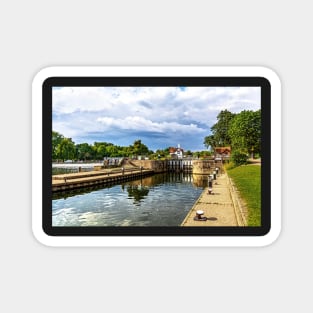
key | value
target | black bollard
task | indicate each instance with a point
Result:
(210, 181)
(199, 216)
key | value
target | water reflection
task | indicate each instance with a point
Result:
(199, 180)
(158, 200)
(138, 193)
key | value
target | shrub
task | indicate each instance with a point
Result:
(230, 165)
(239, 158)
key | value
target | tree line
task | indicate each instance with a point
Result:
(65, 149)
(241, 131)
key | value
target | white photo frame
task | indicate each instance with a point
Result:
(156, 240)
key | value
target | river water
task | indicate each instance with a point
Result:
(158, 200)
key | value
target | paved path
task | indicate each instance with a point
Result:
(220, 208)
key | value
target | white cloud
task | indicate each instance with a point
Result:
(161, 103)
(138, 123)
(81, 111)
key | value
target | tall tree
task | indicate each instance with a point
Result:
(56, 140)
(220, 129)
(66, 149)
(101, 152)
(139, 148)
(84, 151)
(210, 142)
(245, 132)
(112, 151)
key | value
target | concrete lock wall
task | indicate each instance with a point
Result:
(203, 167)
(155, 165)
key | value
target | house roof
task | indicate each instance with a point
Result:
(222, 149)
(174, 150)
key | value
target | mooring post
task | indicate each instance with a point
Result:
(210, 181)
(199, 214)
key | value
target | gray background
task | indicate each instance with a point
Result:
(36, 34)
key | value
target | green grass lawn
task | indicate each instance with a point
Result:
(247, 179)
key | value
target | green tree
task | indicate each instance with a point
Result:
(204, 154)
(245, 132)
(167, 151)
(101, 152)
(139, 148)
(126, 151)
(161, 153)
(210, 142)
(56, 140)
(188, 153)
(66, 150)
(220, 129)
(112, 151)
(84, 151)
(239, 158)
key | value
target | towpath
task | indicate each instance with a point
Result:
(221, 208)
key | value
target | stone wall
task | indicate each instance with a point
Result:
(155, 165)
(203, 167)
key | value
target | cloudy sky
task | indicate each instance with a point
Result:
(159, 116)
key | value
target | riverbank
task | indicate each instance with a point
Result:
(247, 179)
(220, 207)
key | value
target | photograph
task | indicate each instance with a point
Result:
(156, 156)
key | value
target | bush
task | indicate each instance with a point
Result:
(230, 165)
(239, 158)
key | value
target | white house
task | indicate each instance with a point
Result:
(176, 153)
